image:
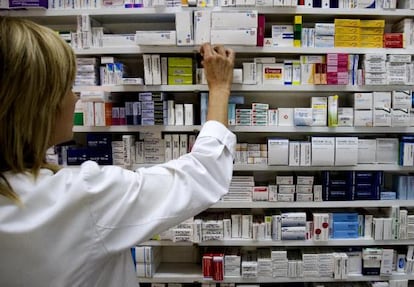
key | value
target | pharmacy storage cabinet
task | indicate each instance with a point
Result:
(350, 211)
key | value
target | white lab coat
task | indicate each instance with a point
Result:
(76, 226)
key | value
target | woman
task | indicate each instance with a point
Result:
(75, 227)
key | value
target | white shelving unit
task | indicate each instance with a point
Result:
(241, 88)
(191, 272)
(284, 243)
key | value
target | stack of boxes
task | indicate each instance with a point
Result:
(147, 259)
(279, 263)
(259, 114)
(382, 109)
(399, 69)
(286, 188)
(264, 263)
(324, 35)
(406, 27)
(213, 266)
(180, 71)
(249, 265)
(240, 189)
(372, 33)
(234, 28)
(293, 226)
(348, 185)
(244, 117)
(363, 110)
(308, 68)
(87, 72)
(96, 108)
(344, 225)
(337, 69)
(347, 33)
(152, 109)
(367, 185)
(337, 185)
(374, 69)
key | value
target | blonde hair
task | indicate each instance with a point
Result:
(37, 69)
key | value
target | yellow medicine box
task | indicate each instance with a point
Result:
(180, 62)
(347, 22)
(180, 71)
(371, 38)
(372, 23)
(346, 30)
(372, 44)
(371, 31)
(180, 80)
(349, 44)
(346, 37)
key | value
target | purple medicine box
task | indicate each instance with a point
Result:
(28, 4)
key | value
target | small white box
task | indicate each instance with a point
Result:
(273, 192)
(249, 73)
(345, 117)
(367, 150)
(161, 38)
(156, 69)
(282, 35)
(305, 154)
(382, 100)
(382, 117)
(221, 20)
(287, 188)
(346, 151)
(320, 226)
(272, 117)
(244, 37)
(363, 118)
(184, 28)
(304, 196)
(401, 99)
(317, 192)
(387, 150)
(284, 180)
(304, 188)
(400, 117)
(286, 197)
(294, 153)
(363, 101)
(286, 117)
(202, 26)
(319, 107)
(323, 151)
(303, 116)
(304, 180)
(278, 151)
(188, 115)
(386, 262)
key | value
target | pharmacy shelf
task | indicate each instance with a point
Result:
(191, 273)
(308, 243)
(112, 13)
(155, 128)
(283, 243)
(364, 167)
(251, 129)
(238, 49)
(166, 243)
(241, 87)
(313, 204)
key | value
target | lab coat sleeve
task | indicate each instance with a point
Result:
(129, 207)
